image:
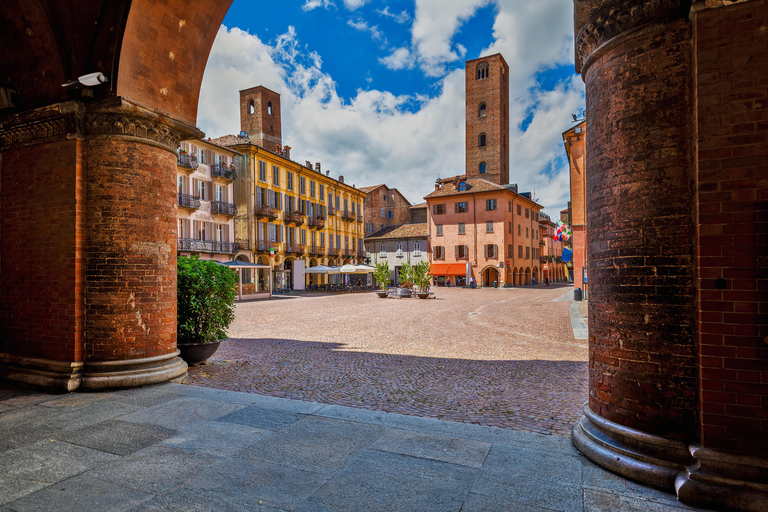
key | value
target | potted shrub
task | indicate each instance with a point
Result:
(206, 295)
(406, 280)
(381, 273)
(421, 278)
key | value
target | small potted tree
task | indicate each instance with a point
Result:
(421, 278)
(206, 295)
(406, 280)
(382, 275)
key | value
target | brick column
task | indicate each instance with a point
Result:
(130, 273)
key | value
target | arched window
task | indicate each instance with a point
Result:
(481, 110)
(269, 108)
(482, 70)
(482, 168)
(251, 107)
(481, 142)
(463, 186)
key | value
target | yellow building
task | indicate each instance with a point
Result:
(289, 216)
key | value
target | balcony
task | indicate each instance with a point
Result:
(331, 210)
(347, 215)
(316, 249)
(361, 254)
(209, 246)
(266, 211)
(359, 218)
(187, 162)
(294, 218)
(243, 244)
(332, 251)
(316, 222)
(223, 208)
(189, 201)
(223, 171)
(349, 252)
(261, 246)
(294, 248)
(275, 246)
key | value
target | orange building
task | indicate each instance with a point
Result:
(575, 141)
(552, 267)
(384, 206)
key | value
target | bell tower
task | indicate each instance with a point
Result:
(260, 116)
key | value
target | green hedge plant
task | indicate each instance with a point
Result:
(382, 274)
(206, 295)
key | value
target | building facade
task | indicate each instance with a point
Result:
(490, 227)
(205, 176)
(575, 141)
(552, 267)
(290, 216)
(384, 207)
(397, 245)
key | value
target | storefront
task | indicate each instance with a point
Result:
(253, 279)
(449, 274)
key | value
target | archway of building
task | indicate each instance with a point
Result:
(242, 257)
(313, 279)
(490, 275)
(650, 61)
(263, 259)
(535, 275)
(509, 277)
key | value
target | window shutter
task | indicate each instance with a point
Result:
(456, 249)
(434, 209)
(455, 207)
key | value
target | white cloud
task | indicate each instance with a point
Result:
(372, 138)
(362, 25)
(310, 5)
(352, 5)
(401, 18)
(401, 58)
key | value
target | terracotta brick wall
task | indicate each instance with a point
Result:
(42, 246)
(731, 50)
(640, 239)
(131, 251)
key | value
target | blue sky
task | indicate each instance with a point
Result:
(374, 90)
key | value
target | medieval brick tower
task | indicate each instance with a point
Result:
(487, 113)
(260, 116)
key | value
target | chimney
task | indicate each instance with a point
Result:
(437, 186)
(327, 173)
(317, 167)
(341, 178)
(278, 149)
(307, 163)
(287, 152)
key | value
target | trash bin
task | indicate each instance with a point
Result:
(577, 294)
(495, 284)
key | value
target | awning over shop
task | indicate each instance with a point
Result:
(448, 269)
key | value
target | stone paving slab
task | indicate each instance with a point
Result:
(334, 458)
(496, 357)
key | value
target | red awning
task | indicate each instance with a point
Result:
(448, 269)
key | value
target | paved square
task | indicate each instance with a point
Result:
(494, 357)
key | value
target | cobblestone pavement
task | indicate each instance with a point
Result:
(494, 357)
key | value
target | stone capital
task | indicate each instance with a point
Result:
(601, 23)
(52, 123)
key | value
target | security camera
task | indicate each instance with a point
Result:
(89, 80)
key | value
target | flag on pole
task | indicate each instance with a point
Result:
(562, 232)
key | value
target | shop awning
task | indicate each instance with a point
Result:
(448, 269)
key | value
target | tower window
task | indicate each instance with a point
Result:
(482, 168)
(269, 108)
(251, 107)
(482, 70)
(481, 110)
(482, 141)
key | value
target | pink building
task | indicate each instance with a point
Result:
(552, 267)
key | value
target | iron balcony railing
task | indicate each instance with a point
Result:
(347, 215)
(332, 251)
(317, 222)
(223, 208)
(331, 210)
(295, 217)
(243, 244)
(189, 201)
(211, 246)
(361, 254)
(316, 249)
(349, 252)
(294, 248)
(359, 218)
(223, 171)
(188, 161)
(266, 211)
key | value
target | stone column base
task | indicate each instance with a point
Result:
(134, 372)
(69, 376)
(699, 476)
(48, 373)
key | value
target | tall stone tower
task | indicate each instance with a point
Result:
(260, 116)
(487, 113)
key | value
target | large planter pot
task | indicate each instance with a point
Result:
(197, 353)
(423, 295)
(382, 295)
(404, 292)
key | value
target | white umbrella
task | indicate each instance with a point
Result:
(322, 269)
(356, 269)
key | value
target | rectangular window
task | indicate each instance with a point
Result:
(311, 189)
(462, 228)
(489, 226)
(289, 180)
(510, 227)
(460, 207)
(417, 248)
(383, 212)
(399, 247)
(518, 210)
(439, 229)
(510, 251)
(520, 251)
(438, 209)
(462, 251)
(526, 232)
(262, 171)
(321, 192)
(439, 252)
(390, 214)
(220, 193)
(330, 200)
(338, 241)
(346, 242)
(527, 253)
(490, 204)
(509, 205)
(302, 185)
(526, 213)
(518, 229)
(537, 235)
(490, 251)
(303, 237)
(383, 250)
(322, 239)
(276, 176)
